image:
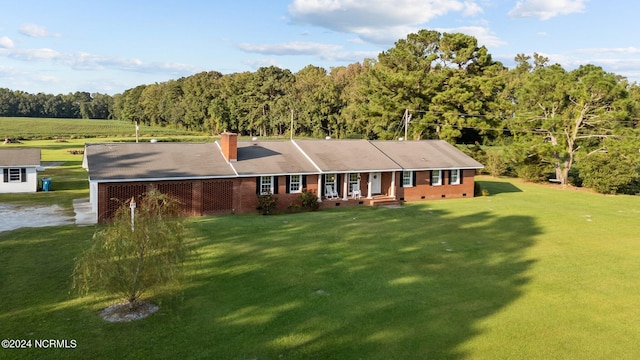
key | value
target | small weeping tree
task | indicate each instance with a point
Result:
(135, 252)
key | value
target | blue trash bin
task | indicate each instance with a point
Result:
(46, 184)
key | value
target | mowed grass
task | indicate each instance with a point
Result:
(47, 128)
(530, 272)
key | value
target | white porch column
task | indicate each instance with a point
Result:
(319, 188)
(345, 187)
(393, 184)
(369, 195)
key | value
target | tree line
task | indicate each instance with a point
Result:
(577, 126)
(78, 105)
(545, 121)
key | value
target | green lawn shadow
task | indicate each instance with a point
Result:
(374, 285)
(498, 187)
(413, 282)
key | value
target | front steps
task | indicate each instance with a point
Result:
(384, 201)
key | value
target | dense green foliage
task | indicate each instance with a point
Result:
(308, 200)
(429, 85)
(77, 105)
(451, 87)
(267, 203)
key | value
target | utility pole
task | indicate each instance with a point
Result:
(407, 119)
(291, 124)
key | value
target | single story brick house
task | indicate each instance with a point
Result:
(226, 176)
(18, 168)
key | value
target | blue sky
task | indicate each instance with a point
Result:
(110, 46)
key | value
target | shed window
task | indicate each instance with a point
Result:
(15, 175)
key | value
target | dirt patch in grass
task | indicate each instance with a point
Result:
(123, 312)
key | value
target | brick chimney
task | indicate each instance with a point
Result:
(229, 145)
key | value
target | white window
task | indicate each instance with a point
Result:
(454, 178)
(266, 185)
(295, 184)
(331, 180)
(436, 177)
(354, 182)
(407, 178)
(14, 175)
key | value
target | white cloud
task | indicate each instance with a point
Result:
(87, 61)
(292, 48)
(6, 43)
(631, 50)
(387, 36)
(18, 78)
(546, 9)
(472, 9)
(34, 54)
(256, 64)
(34, 30)
(378, 21)
(327, 52)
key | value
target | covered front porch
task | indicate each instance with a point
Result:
(357, 188)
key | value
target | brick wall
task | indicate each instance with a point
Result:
(197, 197)
(425, 191)
(225, 196)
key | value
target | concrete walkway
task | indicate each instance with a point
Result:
(84, 215)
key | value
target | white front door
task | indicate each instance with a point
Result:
(375, 181)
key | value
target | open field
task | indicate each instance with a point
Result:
(41, 128)
(530, 272)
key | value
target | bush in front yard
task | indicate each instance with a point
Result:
(308, 200)
(267, 203)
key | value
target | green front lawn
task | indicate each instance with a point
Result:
(529, 272)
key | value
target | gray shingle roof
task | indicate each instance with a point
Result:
(119, 161)
(346, 156)
(426, 154)
(145, 161)
(20, 157)
(271, 158)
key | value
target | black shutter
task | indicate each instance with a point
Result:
(23, 174)
(321, 190)
(339, 184)
(275, 184)
(415, 173)
(6, 175)
(448, 177)
(304, 181)
(430, 173)
(460, 177)
(287, 180)
(257, 185)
